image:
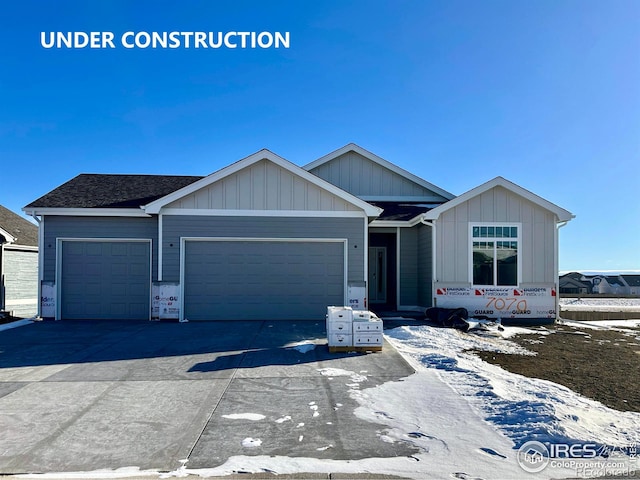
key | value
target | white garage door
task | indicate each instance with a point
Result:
(245, 280)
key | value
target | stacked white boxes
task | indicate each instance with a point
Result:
(340, 326)
(367, 329)
(359, 329)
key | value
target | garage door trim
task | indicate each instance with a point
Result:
(59, 247)
(184, 240)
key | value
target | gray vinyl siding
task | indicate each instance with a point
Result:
(263, 186)
(21, 282)
(361, 177)
(176, 226)
(408, 266)
(537, 235)
(425, 266)
(95, 227)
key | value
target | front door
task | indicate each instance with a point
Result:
(377, 274)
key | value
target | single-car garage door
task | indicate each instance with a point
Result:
(105, 280)
(245, 280)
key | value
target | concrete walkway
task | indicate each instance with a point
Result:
(87, 395)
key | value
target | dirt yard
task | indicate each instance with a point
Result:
(600, 364)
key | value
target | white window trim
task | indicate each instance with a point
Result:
(495, 265)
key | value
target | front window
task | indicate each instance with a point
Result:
(495, 255)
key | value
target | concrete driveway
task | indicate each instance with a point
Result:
(86, 395)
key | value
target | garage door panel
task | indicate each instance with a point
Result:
(262, 279)
(105, 280)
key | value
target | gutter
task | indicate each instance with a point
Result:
(556, 270)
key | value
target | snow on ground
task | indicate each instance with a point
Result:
(467, 417)
(600, 304)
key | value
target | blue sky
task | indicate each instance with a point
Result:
(544, 93)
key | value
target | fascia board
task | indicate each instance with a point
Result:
(154, 207)
(381, 161)
(9, 238)
(562, 214)
(87, 212)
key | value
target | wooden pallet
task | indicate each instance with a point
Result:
(350, 348)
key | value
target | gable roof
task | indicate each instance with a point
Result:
(352, 147)
(17, 230)
(562, 214)
(632, 280)
(264, 154)
(89, 190)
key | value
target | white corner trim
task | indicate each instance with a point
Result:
(382, 162)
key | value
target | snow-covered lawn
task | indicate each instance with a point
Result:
(468, 418)
(600, 304)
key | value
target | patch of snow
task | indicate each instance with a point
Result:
(245, 416)
(602, 324)
(302, 347)
(286, 418)
(339, 372)
(251, 442)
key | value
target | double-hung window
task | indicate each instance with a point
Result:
(495, 254)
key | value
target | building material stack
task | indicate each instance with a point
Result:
(351, 330)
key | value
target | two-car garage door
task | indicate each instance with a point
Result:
(262, 279)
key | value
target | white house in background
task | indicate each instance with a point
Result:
(18, 265)
(264, 238)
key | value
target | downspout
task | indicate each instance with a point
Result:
(40, 260)
(432, 224)
(556, 269)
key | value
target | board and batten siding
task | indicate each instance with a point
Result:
(176, 226)
(21, 282)
(408, 275)
(263, 186)
(425, 266)
(95, 227)
(536, 248)
(360, 176)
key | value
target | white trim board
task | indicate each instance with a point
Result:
(264, 154)
(262, 213)
(562, 214)
(88, 212)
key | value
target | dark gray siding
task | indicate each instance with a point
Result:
(21, 282)
(408, 266)
(175, 227)
(425, 266)
(95, 227)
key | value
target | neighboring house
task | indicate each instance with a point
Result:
(574, 283)
(18, 265)
(633, 283)
(609, 284)
(266, 239)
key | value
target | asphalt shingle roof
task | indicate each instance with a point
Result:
(91, 190)
(25, 232)
(402, 211)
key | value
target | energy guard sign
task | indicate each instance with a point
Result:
(500, 302)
